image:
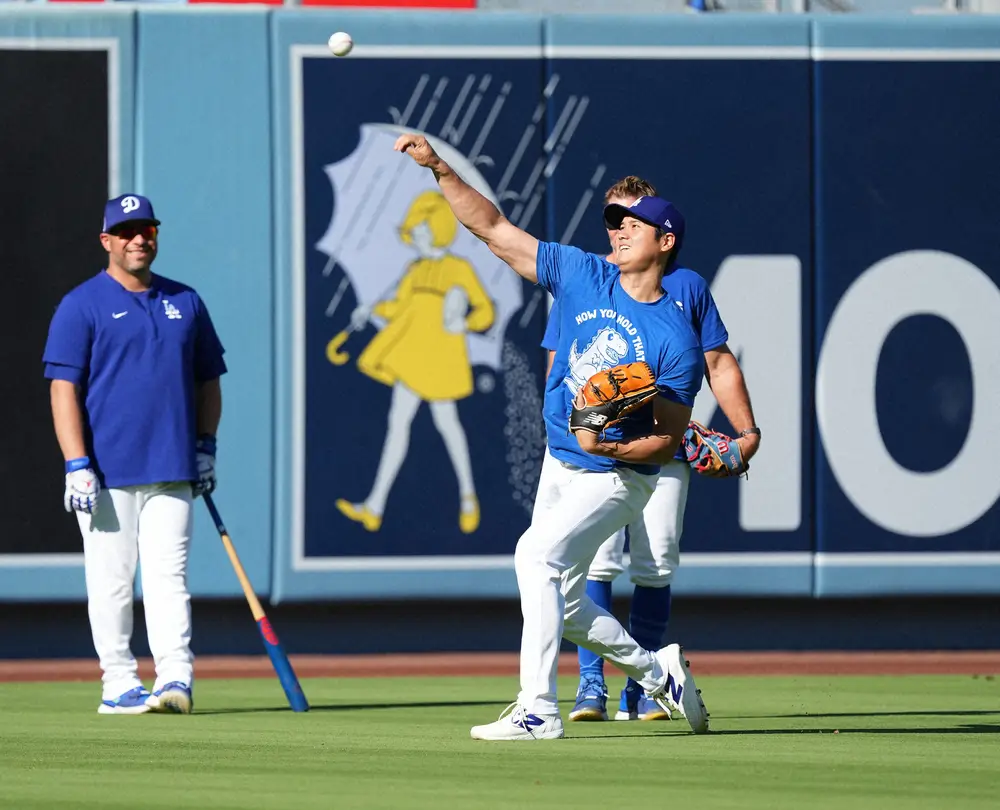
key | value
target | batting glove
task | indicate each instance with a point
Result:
(205, 448)
(82, 486)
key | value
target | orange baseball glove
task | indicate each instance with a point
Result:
(611, 395)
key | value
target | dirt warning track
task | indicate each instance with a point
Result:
(983, 663)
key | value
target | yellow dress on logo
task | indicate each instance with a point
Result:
(416, 346)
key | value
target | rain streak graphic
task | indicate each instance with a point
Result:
(375, 189)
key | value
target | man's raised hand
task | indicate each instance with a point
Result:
(417, 147)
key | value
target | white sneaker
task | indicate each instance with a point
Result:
(679, 693)
(515, 723)
(131, 702)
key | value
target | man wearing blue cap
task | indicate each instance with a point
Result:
(134, 363)
(655, 537)
(610, 315)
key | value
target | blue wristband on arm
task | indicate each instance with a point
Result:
(75, 464)
(206, 444)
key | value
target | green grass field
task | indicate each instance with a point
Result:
(806, 742)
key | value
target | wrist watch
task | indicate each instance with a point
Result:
(751, 431)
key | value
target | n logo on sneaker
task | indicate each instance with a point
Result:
(526, 721)
(676, 690)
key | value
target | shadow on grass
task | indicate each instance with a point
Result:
(965, 729)
(831, 715)
(346, 707)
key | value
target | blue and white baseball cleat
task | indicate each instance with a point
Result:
(173, 698)
(637, 705)
(517, 724)
(679, 692)
(649, 709)
(131, 702)
(591, 699)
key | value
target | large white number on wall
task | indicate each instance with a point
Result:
(919, 504)
(760, 299)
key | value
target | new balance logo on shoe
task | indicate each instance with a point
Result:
(528, 720)
(675, 689)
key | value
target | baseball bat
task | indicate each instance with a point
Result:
(282, 666)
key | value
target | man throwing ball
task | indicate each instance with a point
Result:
(620, 337)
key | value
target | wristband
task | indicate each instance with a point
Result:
(75, 464)
(206, 444)
(750, 431)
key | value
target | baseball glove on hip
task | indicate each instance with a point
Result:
(712, 453)
(611, 395)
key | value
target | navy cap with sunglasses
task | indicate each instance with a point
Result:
(127, 208)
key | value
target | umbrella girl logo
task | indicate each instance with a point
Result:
(421, 353)
(439, 298)
(437, 337)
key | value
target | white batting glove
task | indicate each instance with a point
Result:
(82, 486)
(206, 466)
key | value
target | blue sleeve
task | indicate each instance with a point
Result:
(208, 351)
(681, 375)
(556, 263)
(67, 350)
(551, 339)
(711, 329)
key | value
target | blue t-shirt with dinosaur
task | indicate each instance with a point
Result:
(600, 326)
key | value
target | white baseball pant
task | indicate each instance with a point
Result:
(654, 537)
(151, 525)
(575, 511)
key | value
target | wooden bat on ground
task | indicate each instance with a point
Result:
(282, 666)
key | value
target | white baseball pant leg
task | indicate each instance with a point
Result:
(576, 511)
(154, 522)
(165, 520)
(654, 537)
(545, 488)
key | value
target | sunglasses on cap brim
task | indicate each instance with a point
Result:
(129, 232)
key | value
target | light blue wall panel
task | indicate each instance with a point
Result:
(204, 158)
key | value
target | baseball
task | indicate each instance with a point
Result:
(340, 43)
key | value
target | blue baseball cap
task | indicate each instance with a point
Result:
(655, 211)
(127, 208)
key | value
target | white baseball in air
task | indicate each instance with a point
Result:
(340, 43)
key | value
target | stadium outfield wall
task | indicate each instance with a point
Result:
(839, 179)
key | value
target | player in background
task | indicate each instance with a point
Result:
(134, 363)
(611, 315)
(654, 539)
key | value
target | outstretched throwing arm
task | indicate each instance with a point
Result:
(517, 248)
